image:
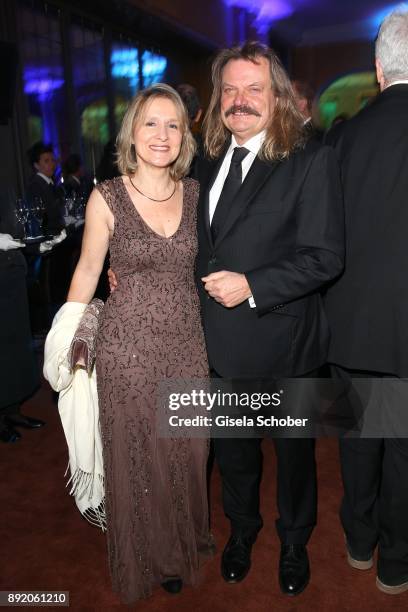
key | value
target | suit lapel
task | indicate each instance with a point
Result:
(258, 174)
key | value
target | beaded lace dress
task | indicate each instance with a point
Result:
(150, 330)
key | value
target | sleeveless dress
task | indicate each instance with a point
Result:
(150, 330)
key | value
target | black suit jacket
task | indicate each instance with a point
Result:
(285, 233)
(52, 199)
(368, 306)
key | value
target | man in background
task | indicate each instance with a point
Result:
(305, 94)
(41, 185)
(368, 310)
(75, 183)
(189, 95)
(19, 376)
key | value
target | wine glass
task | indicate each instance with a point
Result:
(38, 209)
(22, 212)
(69, 203)
(79, 207)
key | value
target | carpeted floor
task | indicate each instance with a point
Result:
(46, 545)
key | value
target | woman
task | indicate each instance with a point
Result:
(150, 331)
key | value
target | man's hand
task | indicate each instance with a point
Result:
(113, 283)
(227, 288)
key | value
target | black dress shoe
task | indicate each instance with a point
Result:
(20, 420)
(236, 558)
(173, 586)
(9, 434)
(294, 571)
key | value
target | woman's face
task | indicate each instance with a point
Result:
(157, 137)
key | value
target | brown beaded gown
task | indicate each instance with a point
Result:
(150, 330)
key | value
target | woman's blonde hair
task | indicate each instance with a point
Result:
(285, 131)
(126, 154)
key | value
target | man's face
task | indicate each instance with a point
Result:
(247, 100)
(46, 164)
(302, 104)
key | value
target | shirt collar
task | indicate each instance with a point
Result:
(47, 179)
(253, 144)
(400, 82)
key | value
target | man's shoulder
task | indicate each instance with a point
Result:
(36, 179)
(37, 183)
(385, 115)
(312, 151)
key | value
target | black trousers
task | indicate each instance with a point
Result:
(240, 464)
(8, 411)
(374, 509)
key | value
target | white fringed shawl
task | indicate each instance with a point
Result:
(79, 412)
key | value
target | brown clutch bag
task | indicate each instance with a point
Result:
(82, 350)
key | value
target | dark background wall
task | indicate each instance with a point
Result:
(322, 64)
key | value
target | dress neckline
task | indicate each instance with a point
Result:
(148, 227)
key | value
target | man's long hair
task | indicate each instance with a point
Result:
(284, 133)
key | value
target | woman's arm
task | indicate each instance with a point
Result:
(95, 245)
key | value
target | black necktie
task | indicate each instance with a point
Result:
(231, 186)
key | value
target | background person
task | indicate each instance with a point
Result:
(368, 309)
(41, 185)
(305, 95)
(75, 182)
(18, 369)
(189, 95)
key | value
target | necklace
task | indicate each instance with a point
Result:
(148, 197)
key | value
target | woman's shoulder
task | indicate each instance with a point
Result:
(109, 184)
(109, 190)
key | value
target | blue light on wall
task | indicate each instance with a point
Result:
(125, 65)
(153, 68)
(41, 81)
(43, 84)
(266, 12)
(376, 20)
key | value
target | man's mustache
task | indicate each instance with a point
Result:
(242, 109)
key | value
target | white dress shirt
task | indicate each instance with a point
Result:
(253, 145)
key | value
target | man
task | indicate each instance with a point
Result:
(189, 95)
(304, 94)
(42, 186)
(270, 228)
(368, 309)
(18, 369)
(75, 183)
